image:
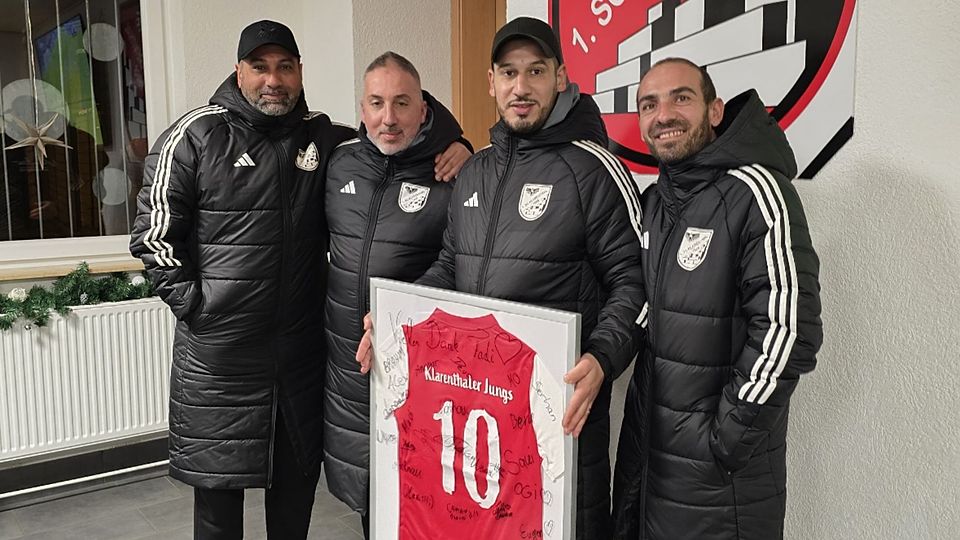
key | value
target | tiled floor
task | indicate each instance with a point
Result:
(160, 508)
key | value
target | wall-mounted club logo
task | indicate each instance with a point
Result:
(798, 54)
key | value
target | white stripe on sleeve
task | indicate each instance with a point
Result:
(623, 180)
(781, 271)
(160, 205)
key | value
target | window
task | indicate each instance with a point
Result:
(72, 72)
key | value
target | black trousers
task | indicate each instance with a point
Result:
(218, 513)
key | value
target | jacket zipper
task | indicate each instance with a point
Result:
(372, 213)
(285, 205)
(648, 398)
(495, 218)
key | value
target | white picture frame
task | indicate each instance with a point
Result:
(552, 334)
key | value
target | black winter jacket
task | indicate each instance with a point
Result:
(734, 320)
(230, 228)
(386, 217)
(552, 219)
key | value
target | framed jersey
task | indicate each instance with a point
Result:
(466, 404)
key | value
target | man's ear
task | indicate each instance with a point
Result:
(715, 112)
(493, 92)
(237, 68)
(562, 78)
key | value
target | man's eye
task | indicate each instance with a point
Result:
(683, 97)
(646, 106)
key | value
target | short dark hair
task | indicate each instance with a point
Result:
(706, 83)
(399, 60)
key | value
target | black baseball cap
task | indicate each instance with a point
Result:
(528, 28)
(266, 33)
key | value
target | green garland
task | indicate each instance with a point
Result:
(78, 288)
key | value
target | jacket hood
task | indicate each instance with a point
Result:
(574, 117)
(228, 96)
(436, 133)
(746, 135)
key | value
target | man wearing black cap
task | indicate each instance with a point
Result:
(547, 216)
(230, 229)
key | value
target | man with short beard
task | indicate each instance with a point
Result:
(230, 229)
(733, 318)
(386, 214)
(547, 216)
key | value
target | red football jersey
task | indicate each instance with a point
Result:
(469, 463)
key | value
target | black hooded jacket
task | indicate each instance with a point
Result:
(552, 219)
(231, 231)
(733, 321)
(386, 216)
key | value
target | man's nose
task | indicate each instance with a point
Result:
(666, 112)
(273, 79)
(389, 115)
(521, 86)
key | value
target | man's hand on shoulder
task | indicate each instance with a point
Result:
(449, 163)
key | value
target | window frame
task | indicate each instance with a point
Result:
(54, 257)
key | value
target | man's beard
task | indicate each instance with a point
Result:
(697, 139)
(526, 126)
(391, 148)
(271, 107)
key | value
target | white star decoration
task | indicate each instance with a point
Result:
(37, 138)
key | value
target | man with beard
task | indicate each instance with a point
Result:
(386, 215)
(230, 228)
(733, 318)
(547, 216)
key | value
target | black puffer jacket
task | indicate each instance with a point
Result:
(386, 218)
(230, 228)
(734, 319)
(552, 219)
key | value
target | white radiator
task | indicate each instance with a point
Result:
(99, 374)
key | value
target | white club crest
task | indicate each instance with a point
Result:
(693, 248)
(309, 159)
(533, 200)
(412, 197)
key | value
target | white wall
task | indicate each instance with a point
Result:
(191, 47)
(874, 450)
(416, 29)
(874, 433)
(199, 49)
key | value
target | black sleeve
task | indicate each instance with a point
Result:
(780, 292)
(613, 216)
(166, 208)
(442, 273)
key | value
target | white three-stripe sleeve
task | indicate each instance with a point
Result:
(160, 212)
(781, 271)
(623, 180)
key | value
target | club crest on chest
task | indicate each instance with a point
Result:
(534, 199)
(693, 248)
(412, 197)
(308, 159)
